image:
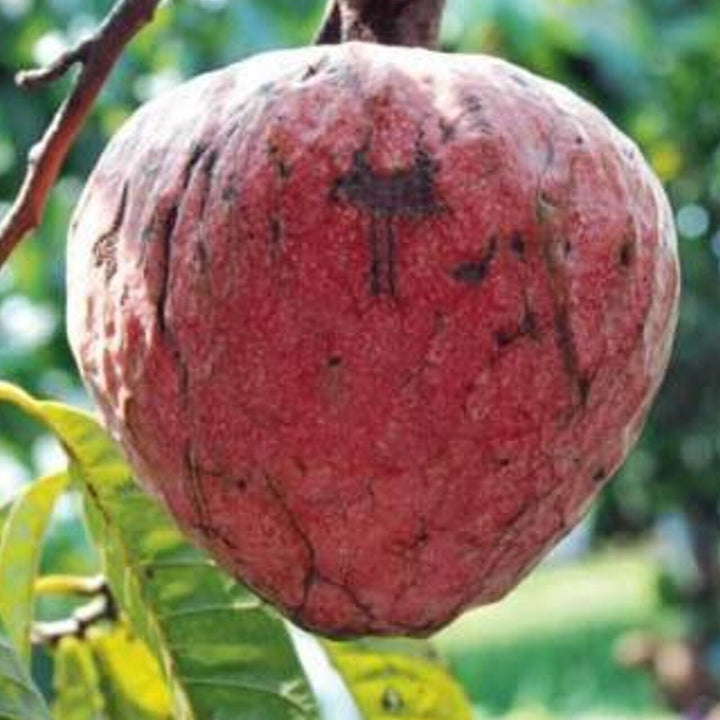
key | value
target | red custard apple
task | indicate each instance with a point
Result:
(374, 323)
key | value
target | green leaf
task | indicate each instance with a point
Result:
(130, 678)
(20, 547)
(224, 653)
(391, 685)
(5, 509)
(19, 698)
(77, 683)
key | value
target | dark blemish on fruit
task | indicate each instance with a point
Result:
(475, 110)
(334, 361)
(504, 338)
(229, 193)
(209, 163)
(207, 168)
(627, 252)
(584, 389)
(310, 72)
(599, 475)
(517, 245)
(382, 247)
(283, 168)
(567, 248)
(568, 352)
(404, 193)
(526, 328)
(276, 233)
(473, 272)
(447, 130)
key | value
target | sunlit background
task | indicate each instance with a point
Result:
(624, 619)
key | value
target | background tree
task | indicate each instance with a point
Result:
(653, 66)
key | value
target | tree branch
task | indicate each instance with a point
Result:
(98, 55)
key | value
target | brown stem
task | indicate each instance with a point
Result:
(330, 31)
(391, 22)
(98, 55)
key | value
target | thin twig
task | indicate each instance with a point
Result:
(31, 79)
(98, 609)
(98, 55)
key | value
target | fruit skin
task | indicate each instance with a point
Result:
(375, 324)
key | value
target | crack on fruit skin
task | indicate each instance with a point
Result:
(412, 552)
(311, 568)
(517, 245)
(207, 168)
(104, 250)
(313, 575)
(167, 228)
(545, 209)
(473, 272)
(439, 325)
(531, 507)
(566, 344)
(169, 223)
(364, 608)
(205, 158)
(528, 326)
(198, 150)
(276, 233)
(283, 171)
(197, 497)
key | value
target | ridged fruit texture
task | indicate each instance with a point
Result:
(376, 324)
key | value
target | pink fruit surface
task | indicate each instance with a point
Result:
(375, 324)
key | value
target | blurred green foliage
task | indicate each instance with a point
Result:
(652, 65)
(548, 647)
